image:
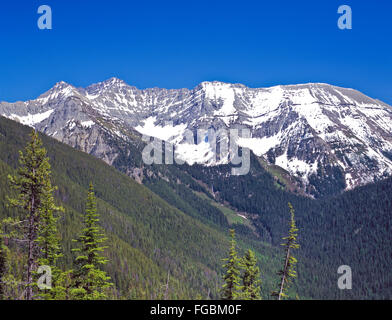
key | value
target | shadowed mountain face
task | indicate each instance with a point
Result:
(318, 133)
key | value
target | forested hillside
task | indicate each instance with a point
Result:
(353, 229)
(178, 225)
(148, 238)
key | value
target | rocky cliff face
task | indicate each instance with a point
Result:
(315, 132)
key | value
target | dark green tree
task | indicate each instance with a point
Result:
(49, 243)
(288, 273)
(250, 277)
(231, 286)
(90, 282)
(34, 198)
(3, 268)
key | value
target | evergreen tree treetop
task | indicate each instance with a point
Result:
(35, 199)
(231, 286)
(251, 277)
(288, 273)
(3, 268)
(90, 280)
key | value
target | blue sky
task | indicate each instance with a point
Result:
(175, 44)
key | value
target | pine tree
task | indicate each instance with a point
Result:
(288, 272)
(48, 236)
(231, 286)
(33, 186)
(251, 277)
(3, 269)
(49, 243)
(90, 281)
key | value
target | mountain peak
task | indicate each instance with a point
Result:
(113, 81)
(304, 128)
(110, 84)
(61, 85)
(216, 83)
(60, 90)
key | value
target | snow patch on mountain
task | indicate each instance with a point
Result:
(168, 132)
(31, 119)
(303, 128)
(87, 124)
(259, 146)
(201, 153)
(296, 166)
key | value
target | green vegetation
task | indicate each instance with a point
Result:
(3, 269)
(352, 228)
(147, 237)
(251, 277)
(282, 178)
(288, 272)
(231, 215)
(90, 282)
(244, 270)
(35, 199)
(231, 286)
(166, 238)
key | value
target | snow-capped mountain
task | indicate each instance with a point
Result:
(313, 131)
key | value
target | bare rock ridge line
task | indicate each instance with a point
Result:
(314, 131)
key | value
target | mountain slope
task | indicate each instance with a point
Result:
(318, 133)
(352, 229)
(148, 236)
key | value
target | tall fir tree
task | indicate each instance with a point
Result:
(3, 268)
(288, 273)
(34, 198)
(231, 286)
(90, 282)
(250, 277)
(49, 243)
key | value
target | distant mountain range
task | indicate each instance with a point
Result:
(310, 144)
(316, 133)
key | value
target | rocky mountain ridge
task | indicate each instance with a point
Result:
(315, 131)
